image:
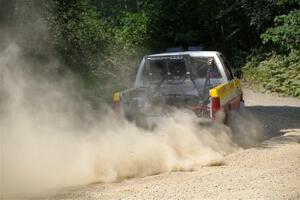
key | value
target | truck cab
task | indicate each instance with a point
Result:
(201, 81)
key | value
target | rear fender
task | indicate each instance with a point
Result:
(225, 97)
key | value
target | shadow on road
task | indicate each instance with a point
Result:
(275, 119)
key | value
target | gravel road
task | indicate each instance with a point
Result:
(269, 171)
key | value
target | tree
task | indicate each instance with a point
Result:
(285, 35)
(78, 34)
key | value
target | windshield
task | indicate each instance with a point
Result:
(174, 69)
(180, 75)
(179, 68)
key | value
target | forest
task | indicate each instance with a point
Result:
(102, 41)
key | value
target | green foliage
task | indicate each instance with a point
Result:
(286, 33)
(102, 41)
(210, 23)
(260, 12)
(78, 34)
(133, 30)
(275, 66)
(288, 2)
(277, 73)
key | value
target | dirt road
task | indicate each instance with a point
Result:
(270, 171)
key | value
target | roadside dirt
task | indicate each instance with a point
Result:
(269, 171)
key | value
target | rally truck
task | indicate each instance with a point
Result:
(201, 81)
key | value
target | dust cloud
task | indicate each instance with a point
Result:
(247, 130)
(51, 138)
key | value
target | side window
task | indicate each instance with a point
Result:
(228, 71)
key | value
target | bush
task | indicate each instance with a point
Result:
(277, 73)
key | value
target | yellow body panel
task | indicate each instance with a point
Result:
(226, 91)
(117, 97)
